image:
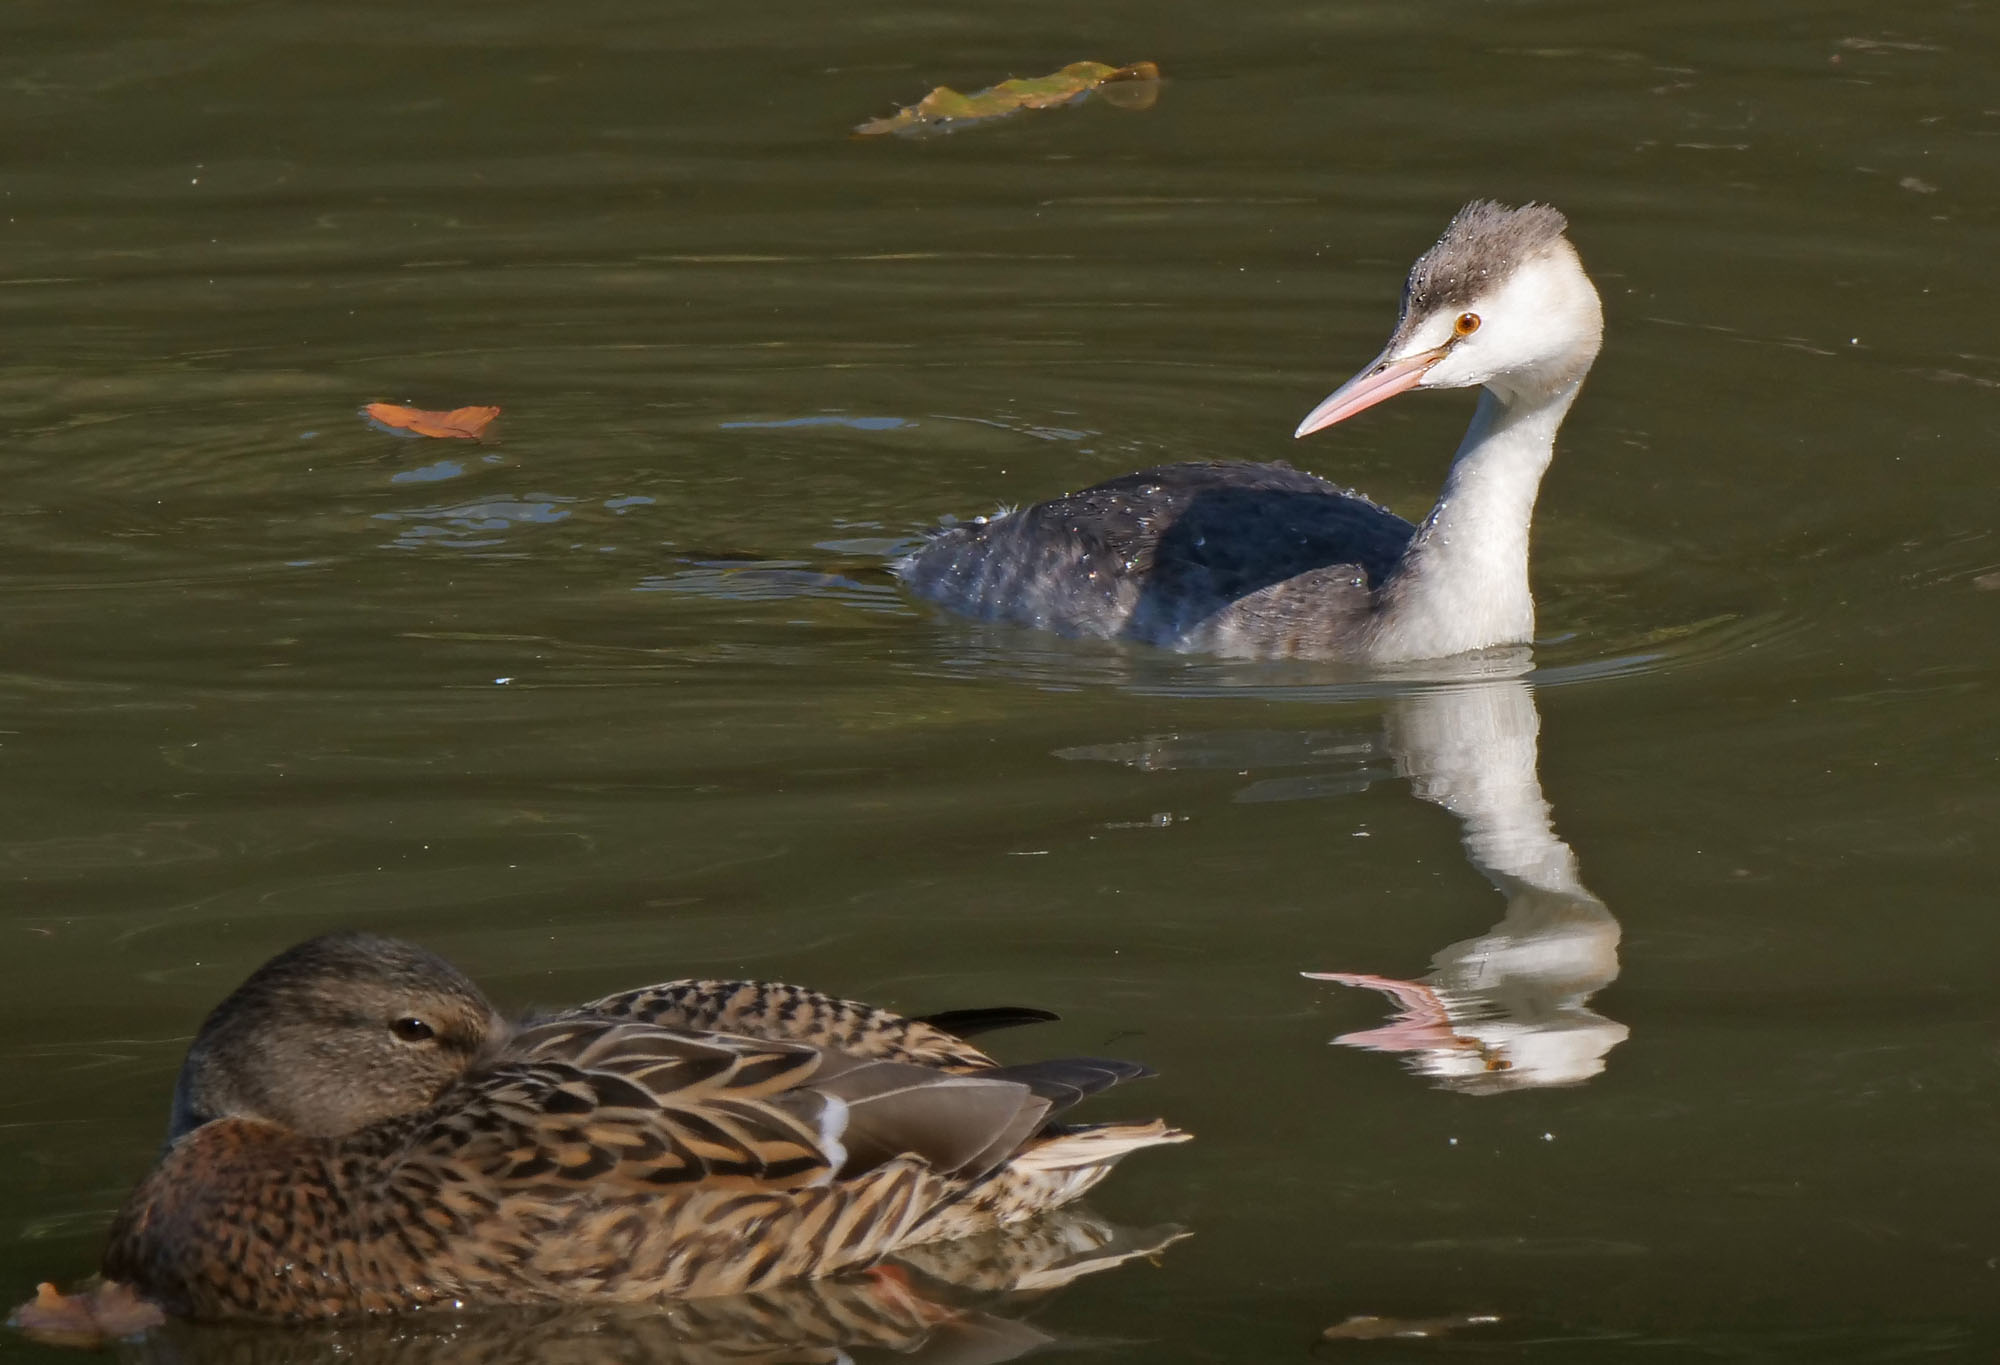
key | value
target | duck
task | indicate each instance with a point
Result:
(357, 1130)
(1265, 561)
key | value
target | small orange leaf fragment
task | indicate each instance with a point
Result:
(107, 1312)
(945, 110)
(460, 424)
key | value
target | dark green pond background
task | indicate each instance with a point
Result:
(625, 694)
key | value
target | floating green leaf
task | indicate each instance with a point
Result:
(944, 110)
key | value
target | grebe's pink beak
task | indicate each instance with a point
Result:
(1381, 380)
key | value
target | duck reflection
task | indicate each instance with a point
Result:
(1505, 1010)
(953, 1303)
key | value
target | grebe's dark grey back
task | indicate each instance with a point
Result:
(1264, 561)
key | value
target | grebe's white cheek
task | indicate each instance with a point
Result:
(1463, 367)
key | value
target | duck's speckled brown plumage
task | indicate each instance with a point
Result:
(602, 1156)
(938, 1303)
(770, 1009)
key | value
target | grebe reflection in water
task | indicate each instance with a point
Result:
(1507, 1009)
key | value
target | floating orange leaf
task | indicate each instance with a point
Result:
(460, 424)
(107, 1312)
(944, 110)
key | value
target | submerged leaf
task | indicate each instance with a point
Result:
(460, 424)
(945, 110)
(107, 1312)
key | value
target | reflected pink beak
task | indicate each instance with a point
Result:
(1382, 379)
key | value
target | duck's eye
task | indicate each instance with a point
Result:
(411, 1029)
(1467, 324)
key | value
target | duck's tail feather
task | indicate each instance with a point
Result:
(1063, 1147)
(1054, 1167)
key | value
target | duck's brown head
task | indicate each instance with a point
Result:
(335, 1034)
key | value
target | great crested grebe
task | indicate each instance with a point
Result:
(1265, 561)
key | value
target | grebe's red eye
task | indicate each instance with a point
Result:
(1467, 324)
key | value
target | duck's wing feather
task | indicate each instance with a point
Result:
(962, 1125)
(618, 1104)
(627, 1108)
(779, 1012)
(608, 1157)
(1066, 1081)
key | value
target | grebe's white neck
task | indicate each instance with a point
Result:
(1463, 582)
